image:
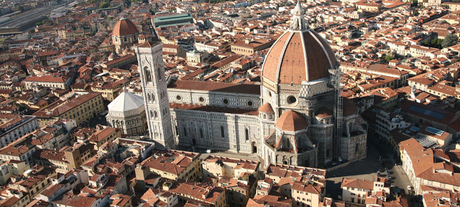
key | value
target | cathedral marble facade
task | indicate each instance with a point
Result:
(292, 117)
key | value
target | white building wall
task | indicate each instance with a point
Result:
(188, 123)
(235, 100)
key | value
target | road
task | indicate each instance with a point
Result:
(367, 169)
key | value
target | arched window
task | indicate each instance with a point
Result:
(148, 75)
(159, 73)
(246, 134)
(155, 114)
(185, 131)
(201, 133)
(222, 132)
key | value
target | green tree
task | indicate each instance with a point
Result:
(450, 40)
(439, 43)
(104, 5)
(426, 43)
(127, 3)
(20, 8)
(388, 58)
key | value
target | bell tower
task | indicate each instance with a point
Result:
(154, 89)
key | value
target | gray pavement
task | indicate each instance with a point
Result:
(367, 169)
(401, 180)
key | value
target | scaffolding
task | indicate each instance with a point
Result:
(336, 76)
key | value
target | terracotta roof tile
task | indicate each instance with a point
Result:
(266, 108)
(124, 27)
(297, 57)
(291, 121)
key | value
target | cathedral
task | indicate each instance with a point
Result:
(295, 116)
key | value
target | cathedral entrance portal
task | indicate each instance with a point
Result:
(193, 142)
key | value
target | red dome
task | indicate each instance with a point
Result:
(300, 54)
(266, 108)
(291, 121)
(124, 27)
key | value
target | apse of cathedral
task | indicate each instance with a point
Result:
(296, 116)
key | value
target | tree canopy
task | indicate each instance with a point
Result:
(451, 39)
(388, 58)
(104, 5)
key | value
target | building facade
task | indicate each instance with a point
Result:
(294, 117)
(127, 112)
(80, 106)
(15, 128)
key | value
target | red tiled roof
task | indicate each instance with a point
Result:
(266, 108)
(357, 183)
(297, 57)
(291, 121)
(124, 27)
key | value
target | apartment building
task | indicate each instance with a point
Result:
(356, 191)
(304, 185)
(109, 90)
(250, 46)
(15, 126)
(35, 181)
(20, 150)
(50, 80)
(10, 168)
(218, 166)
(427, 167)
(191, 192)
(78, 106)
(171, 164)
(103, 135)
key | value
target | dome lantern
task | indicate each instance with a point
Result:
(298, 19)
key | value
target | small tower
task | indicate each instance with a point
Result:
(154, 90)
